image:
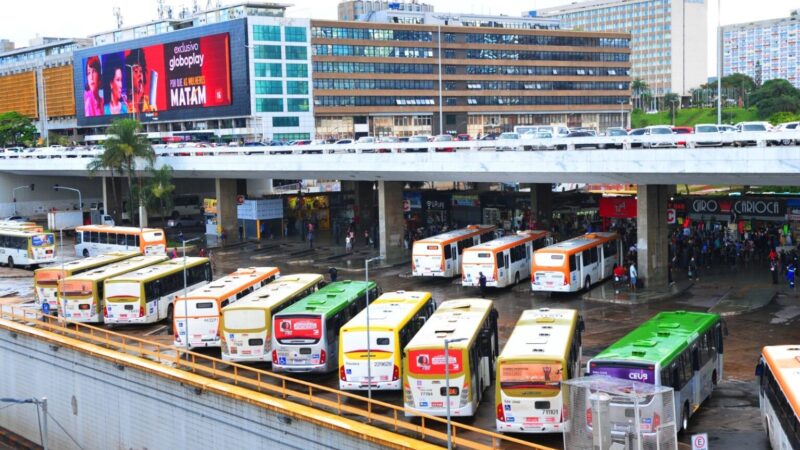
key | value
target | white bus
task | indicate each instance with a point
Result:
(503, 261)
(80, 297)
(247, 324)
(779, 395)
(576, 263)
(543, 350)
(147, 295)
(93, 240)
(196, 316)
(440, 256)
(394, 318)
(471, 359)
(26, 248)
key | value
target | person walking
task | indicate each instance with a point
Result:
(310, 235)
(790, 274)
(618, 272)
(348, 244)
(633, 274)
(482, 284)
(333, 273)
(773, 269)
(693, 273)
(202, 253)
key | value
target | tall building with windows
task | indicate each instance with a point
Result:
(461, 75)
(669, 48)
(766, 49)
(363, 9)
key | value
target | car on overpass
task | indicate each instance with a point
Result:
(710, 131)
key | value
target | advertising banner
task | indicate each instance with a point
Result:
(641, 374)
(618, 207)
(432, 361)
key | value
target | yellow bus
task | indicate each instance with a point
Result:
(146, 295)
(394, 318)
(471, 326)
(26, 248)
(779, 394)
(80, 297)
(543, 350)
(45, 280)
(576, 263)
(246, 325)
(196, 321)
(97, 239)
(440, 255)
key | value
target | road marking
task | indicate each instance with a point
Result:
(156, 330)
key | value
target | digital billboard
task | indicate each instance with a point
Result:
(185, 76)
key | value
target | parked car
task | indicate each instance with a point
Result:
(752, 126)
(463, 137)
(658, 130)
(507, 141)
(581, 134)
(418, 139)
(387, 140)
(709, 131)
(682, 130)
(789, 126)
(366, 140)
(444, 138)
(615, 131)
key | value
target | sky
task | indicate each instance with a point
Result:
(22, 21)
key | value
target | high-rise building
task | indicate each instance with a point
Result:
(766, 49)
(669, 48)
(362, 9)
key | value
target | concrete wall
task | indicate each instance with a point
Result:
(43, 197)
(106, 404)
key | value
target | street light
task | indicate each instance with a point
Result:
(622, 113)
(719, 64)
(439, 41)
(185, 288)
(57, 187)
(14, 194)
(369, 353)
(673, 102)
(447, 343)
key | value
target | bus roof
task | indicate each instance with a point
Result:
(509, 241)
(158, 270)
(659, 339)
(541, 333)
(88, 262)
(330, 299)
(784, 363)
(116, 229)
(240, 279)
(453, 319)
(118, 268)
(578, 243)
(22, 233)
(392, 310)
(455, 235)
(275, 292)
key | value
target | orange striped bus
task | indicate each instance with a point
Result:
(440, 255)
(91, 240)
(576, 263)
(503, 261)
(779, 394)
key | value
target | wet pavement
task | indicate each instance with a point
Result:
(731, 417)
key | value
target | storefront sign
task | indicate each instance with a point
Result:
(742, 207)
(466, 200)
(414, 200)
(793, 210)
(618, 207)
(434, 204)
(210, 205)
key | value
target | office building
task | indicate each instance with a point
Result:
(362, 9)
(669, 48)
(763, 50)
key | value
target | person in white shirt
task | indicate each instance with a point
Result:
(632, 275)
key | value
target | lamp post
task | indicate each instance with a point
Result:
(447, 343)
(369, 353)
(185, 288)
(439, 41)
(622, 113)
(57, 187)
(673, 102)
(14, 194)
(719, 64)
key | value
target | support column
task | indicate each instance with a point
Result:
(542, 205)
(226, 207)
(391, 224)
(259, 187)
(652, 232)
(105, 195)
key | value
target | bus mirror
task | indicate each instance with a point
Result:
(759, 369)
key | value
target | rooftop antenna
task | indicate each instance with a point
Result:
(118, 16)
(161, 9)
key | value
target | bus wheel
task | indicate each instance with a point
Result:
(714, 379)
(86, 253)
(516, 278)
(10, 262)
(170, 314)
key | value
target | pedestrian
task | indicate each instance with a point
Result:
(773, 268)
(618, 272)
(482, 284)
(241, 232)
(174, 254)
(202, 253)
(310, 235)
(633, 274)
(333, 273)
(348, 244)
(790, 272)
(693, 272)
(180, 235)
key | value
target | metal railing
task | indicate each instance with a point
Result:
(385, 415)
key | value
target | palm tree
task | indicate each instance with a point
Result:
(640, 88)
(159, 189)
(125, 144)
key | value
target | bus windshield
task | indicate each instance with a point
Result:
(122, 290)
(431, 361)
(523, 375)
(298, 327)
(478, 257)
(643, 372)
(427, 249)
(71, 288)
(245, 319)
(549, 259)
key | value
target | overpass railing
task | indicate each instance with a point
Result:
(376, 412)
(758, 138)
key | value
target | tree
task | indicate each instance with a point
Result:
(159, 189)
(16, 129)
(673, 100)
(639, 88)
(774, 96)
(736, 85)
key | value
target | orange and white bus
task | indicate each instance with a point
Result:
(472, 326)
(45, 280)
(440, 255)
(98, 239)
(503, 261)
(778, 374)
(197, 314)
(576, 263)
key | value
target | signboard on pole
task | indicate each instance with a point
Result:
(700, 441)
(671, 216)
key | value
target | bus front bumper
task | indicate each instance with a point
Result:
(246, 358)
(464, 411)
(551, 288)
(300, 369)
(511, 427)
(376, 386)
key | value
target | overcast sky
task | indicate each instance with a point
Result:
(21, 21)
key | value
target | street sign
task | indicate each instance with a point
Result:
(240, 199)
(671, 216)
(700, 441)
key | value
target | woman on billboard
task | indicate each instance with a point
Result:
(92, 97)
(112, 71)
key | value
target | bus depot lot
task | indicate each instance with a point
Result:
(730, 417)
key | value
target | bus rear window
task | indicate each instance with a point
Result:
(42, 239)
(533, 374)
(431, 361)
(548, 259)
(204, 305)
(76, 288)
(298, 327)
(644, 373)
(427, 249)
(47, 278)
(245, 319)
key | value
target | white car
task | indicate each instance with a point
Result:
(658, 130)
(507, 141)
(708, 131)
(789, 126)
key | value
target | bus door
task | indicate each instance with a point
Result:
(454, 262)
(590, 266)
(502, 265)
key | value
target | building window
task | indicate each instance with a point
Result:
(268, 52)
(297, 104)
(297, 87)
(293, 52)
(450, 119)
(267, 33)
(295, 34)
(296, 71)
(285, 121)
(271, 70)
(269, 105)
(265, 87)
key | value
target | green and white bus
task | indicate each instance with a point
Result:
(679, 349)
(305, 336)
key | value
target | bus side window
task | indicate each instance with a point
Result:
(500, 263)
(448, 253)
(695, 354)
(587, 259)
(131, 241)
(79, 237)
(572, 263)
(666, 376)
(136, 240)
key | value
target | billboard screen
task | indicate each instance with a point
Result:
(185, 76)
